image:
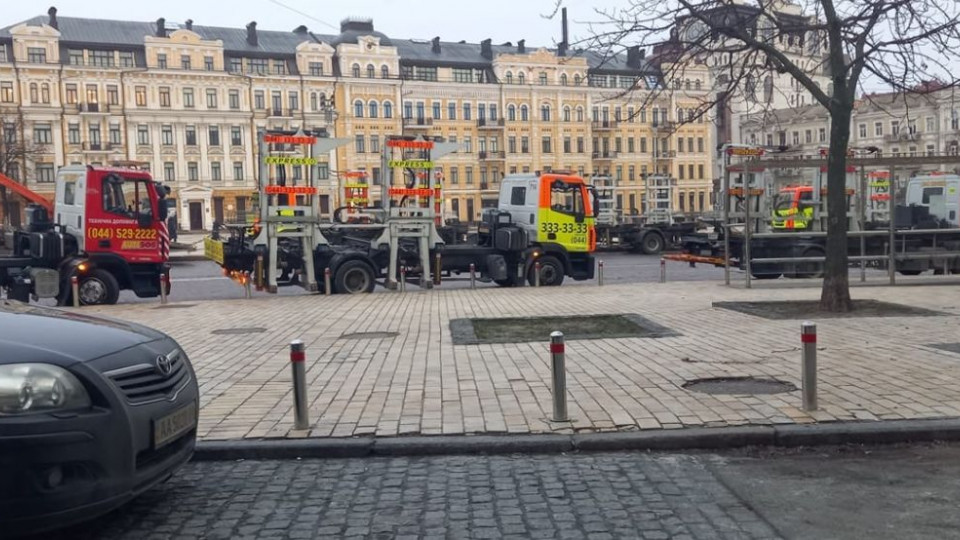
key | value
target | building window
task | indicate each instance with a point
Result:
(211, 98)
(188, 98)
(164, 96)
(140, 96)
(512, 144)
(894, 127)
(372, 108)
(375, 144)
(185, 61)
(34, 93)
(166, 135)
(579, 145)
(238, 170)
(75, 57)
(143, 135)
(162, 61)
(323, 171)
(356, 71)
(466, 111)
(259, 101)
(545, 113)
(384, 72)
(451, 111)
(276, 99)
(279, 67)
(45, 173)
(71, 93)
(808, 136)
(463, 75)
(234, 98)
(524, 113)
(113, 95)
(213, 132)
(509, 77)
(436, 110)
(546, 145)
(567, 145)
(169, 172)
(73, 134)
(127, 59)
(469, 175)
(42, 134)
(257, 66)
(215, 173)
(294, 100)
(36, 55)
(700, 176)
(316, 69)
(236, 65)
(359, 145)
(700, 144)
(236, 136)
(468, 144)
(358, 109)
(521, 78)
(679, 145)
(193, 171)
(191, 135)
(524, 145)
(878, 129)
(643, 145)
(208, 63)
(387, 109)
(455, 175)
(115, 137)
(822, 134)
(862, 130)
(3, 52)
(371, 71)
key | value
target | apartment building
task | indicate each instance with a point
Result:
(187, 100)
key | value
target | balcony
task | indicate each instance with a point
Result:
(664, 125)
(417, 123)
(93, 108)
(280, 113)
(492, 156)
(902, 136)
(666, 154)
(99, 147)
(609, 154)
(489, 123)
(604, 125)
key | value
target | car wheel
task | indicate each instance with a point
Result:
(98, 288)
(354, 277)
(652, 243)
(551, 272)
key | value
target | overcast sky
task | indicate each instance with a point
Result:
(452, 20)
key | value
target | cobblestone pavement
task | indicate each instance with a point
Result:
(407, 377)
(599, 496)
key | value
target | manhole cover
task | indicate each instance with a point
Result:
(175, 306)
(370, 335)
(238, 331)
(739, 385)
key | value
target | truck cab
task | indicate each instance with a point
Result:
(793, 208)
(939, 193)
(554, 208)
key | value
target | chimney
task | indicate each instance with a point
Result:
(522, 46)
(436, 45)
(189, 24)
(52, 12)
(302, 29)
(486, 50)
(564, 43)
(161, 27)
(634, 56)
(252, 33)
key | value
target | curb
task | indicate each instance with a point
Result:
(784, 436)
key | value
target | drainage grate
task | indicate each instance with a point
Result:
(238, 331)
(949, 347)
(739, 385)
(370, 335)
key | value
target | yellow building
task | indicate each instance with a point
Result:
(188, 100)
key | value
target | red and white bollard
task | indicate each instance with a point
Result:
(536, 274)
(808, 368)
(75, 290)
(327, 287)
(164, 281)
(600, 272)
(558, 371)
(298, 358)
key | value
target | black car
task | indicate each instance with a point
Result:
(93, 412)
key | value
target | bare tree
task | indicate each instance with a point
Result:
(898, 45)
(15, 152)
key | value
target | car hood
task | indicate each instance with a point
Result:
(36, 334)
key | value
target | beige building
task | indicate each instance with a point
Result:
(188, 100)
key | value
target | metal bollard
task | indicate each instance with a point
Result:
(520, 279)
(403, 279)
(298, 356)
(259, 277)
(164, 279)
(327, 287)
(600, 273)
(558, 369)
(247, 290)
(663, 270)
(75, 290)
(436, 273)
(808, 375)
(536, 274)
(473, 276)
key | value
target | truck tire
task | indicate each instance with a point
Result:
(809, 270)
(98, 288)
(652, 243)
(353, 277)
(509, 282)
(910, 272)
(551, 272)
(765, 276)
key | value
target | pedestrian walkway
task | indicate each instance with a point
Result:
(385, 364)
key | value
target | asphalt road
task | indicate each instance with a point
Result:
(838, 493)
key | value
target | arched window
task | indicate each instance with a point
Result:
(579, 114)
(313, 101)
(387, 109)
(384, 72)
(524, 113)
(697, 84)
(520, 78)
(576, 79)
(371, 71)
(566, 114)
(686, 84)
(511, 112)
(679, 115)
(563, 79)
(358, 109)
(372, 109)
(34, 93)
(545, 113)
(356, 71)
(509, 77)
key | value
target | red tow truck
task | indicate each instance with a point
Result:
(107, 227)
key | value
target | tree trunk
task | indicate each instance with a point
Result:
(835, 295)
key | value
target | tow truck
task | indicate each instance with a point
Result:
(106, 227)
(547, 219)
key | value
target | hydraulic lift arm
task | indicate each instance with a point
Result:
(26, 193)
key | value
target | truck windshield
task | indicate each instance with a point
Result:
(566, 198)
(783, 201)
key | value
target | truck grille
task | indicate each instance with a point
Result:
(145, 382)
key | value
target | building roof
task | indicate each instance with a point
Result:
(130, 34)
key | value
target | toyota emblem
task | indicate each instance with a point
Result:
(164, 365)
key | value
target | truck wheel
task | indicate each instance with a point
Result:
(809, 270)
(353, 277)
(652, 243)
(551, 272)
(910, 272)
(98, 288)
(765, 276)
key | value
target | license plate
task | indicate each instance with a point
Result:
(173, 425)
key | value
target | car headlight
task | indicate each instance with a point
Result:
(39, 388)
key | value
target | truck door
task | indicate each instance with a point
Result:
(121, 219)
(563, 214)
(70, 204)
